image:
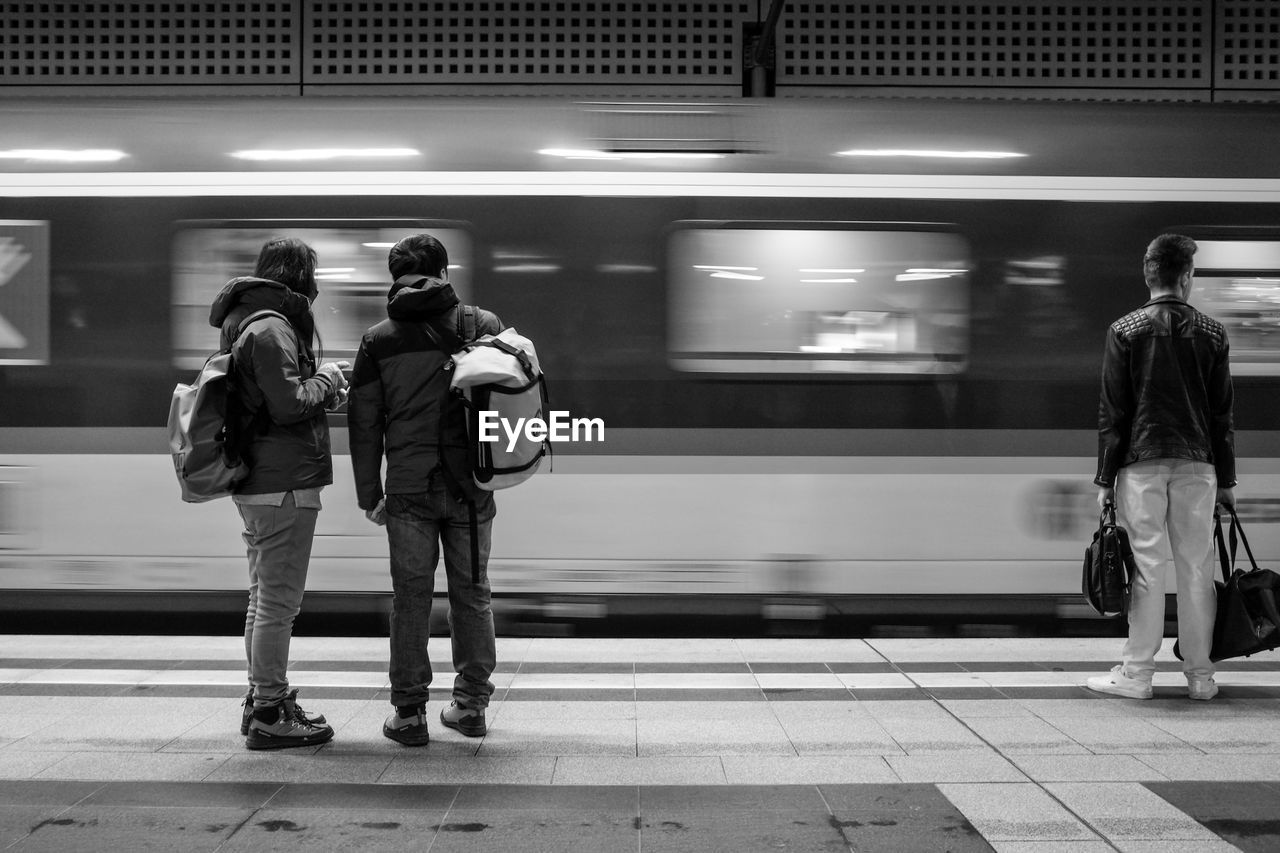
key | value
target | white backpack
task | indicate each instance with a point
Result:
(501, 384)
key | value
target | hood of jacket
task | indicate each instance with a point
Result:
(416, 298)
(240, 297)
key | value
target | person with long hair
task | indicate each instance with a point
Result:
(267, 324)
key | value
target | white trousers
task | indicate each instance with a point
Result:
(1166, 505)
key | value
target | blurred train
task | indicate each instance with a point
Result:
(846, 352)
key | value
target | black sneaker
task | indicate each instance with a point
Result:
(247, 713)
(282, 727)
(410, 730)
(469, 721)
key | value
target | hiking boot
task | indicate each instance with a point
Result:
(408, 725)
(247, 713)
(1118, 684)
(469, 721)
(282, 727)
(1203, 689)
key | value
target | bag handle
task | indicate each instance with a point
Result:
(1225, 562)
(1237, 528)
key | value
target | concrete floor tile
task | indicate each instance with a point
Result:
(1128, 811)
(1251, 736)
(416, 769)
(1021, 736)
(622, 682)
(1199, 845)
(901, 650)
(959, 767)
(1085, 768)
(642, 770)
(918, 736)
(25, 764)
(571, 713)
(1224, 768)
(632, 649)
(337, 830)
(910, 832)
(294, 767)
(806, 769)
(922, 709)
(16, 822)
(1098, 846)
(783, 649)
(675, 728)
(1016, 812)
(469, 830)
(715, 832)
(93, 829)
(542, 736)
(1125, 736)
(184, 767)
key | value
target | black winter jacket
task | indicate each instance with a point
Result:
(288, 443)
(1166, 391)
(400, 392)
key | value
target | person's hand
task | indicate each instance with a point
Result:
(1106, 495)
(332, 370)
(378, 515)
(1226, 497)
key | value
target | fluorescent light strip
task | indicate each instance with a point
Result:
(305, 154)
(56, 155)
(929, 153)
(589, 154)
(618, 184)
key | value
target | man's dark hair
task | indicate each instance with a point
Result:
(289, 261)
(419, 254)
(1167, 258)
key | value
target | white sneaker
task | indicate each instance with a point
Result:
(1203, 689)
(1118, 684)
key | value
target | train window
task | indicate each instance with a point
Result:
(1237, 281)
(818, 298)
(352, 275)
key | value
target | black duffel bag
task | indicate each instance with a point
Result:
(1108, 566)
(1247, 620)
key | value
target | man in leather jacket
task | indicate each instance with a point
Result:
(1165, 458)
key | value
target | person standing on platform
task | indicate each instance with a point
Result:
(1166, 457)
(286, 444)
(401, 407)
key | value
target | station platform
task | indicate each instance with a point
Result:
(132, 743)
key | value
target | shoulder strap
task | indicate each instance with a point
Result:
(253, 318)
(467, 321)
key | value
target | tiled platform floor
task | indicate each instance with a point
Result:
(124, 743)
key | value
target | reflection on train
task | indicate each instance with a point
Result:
(839, 371)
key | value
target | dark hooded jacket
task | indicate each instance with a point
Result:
(287, 434)
(400, 393)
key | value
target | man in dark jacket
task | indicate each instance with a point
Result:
(287, 447)
(401, 407)
(1165, 458)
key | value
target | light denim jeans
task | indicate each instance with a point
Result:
(417, 525)
(1166, 505)
(278, 539)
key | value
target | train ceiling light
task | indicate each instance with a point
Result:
(929, 153)
(311, 154)
(59, 155)
(592, 154)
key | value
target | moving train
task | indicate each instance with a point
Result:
(845, 352)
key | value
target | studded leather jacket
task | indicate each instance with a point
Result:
(1166, 391)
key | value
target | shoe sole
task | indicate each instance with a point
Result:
(268, 742)
(469, 731)
(407, 740)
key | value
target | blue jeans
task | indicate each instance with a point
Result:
(278, 539)
(417, 524)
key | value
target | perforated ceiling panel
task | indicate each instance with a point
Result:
(506, 41)
(1029, 43)
(166, 43)
(1248, 47)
